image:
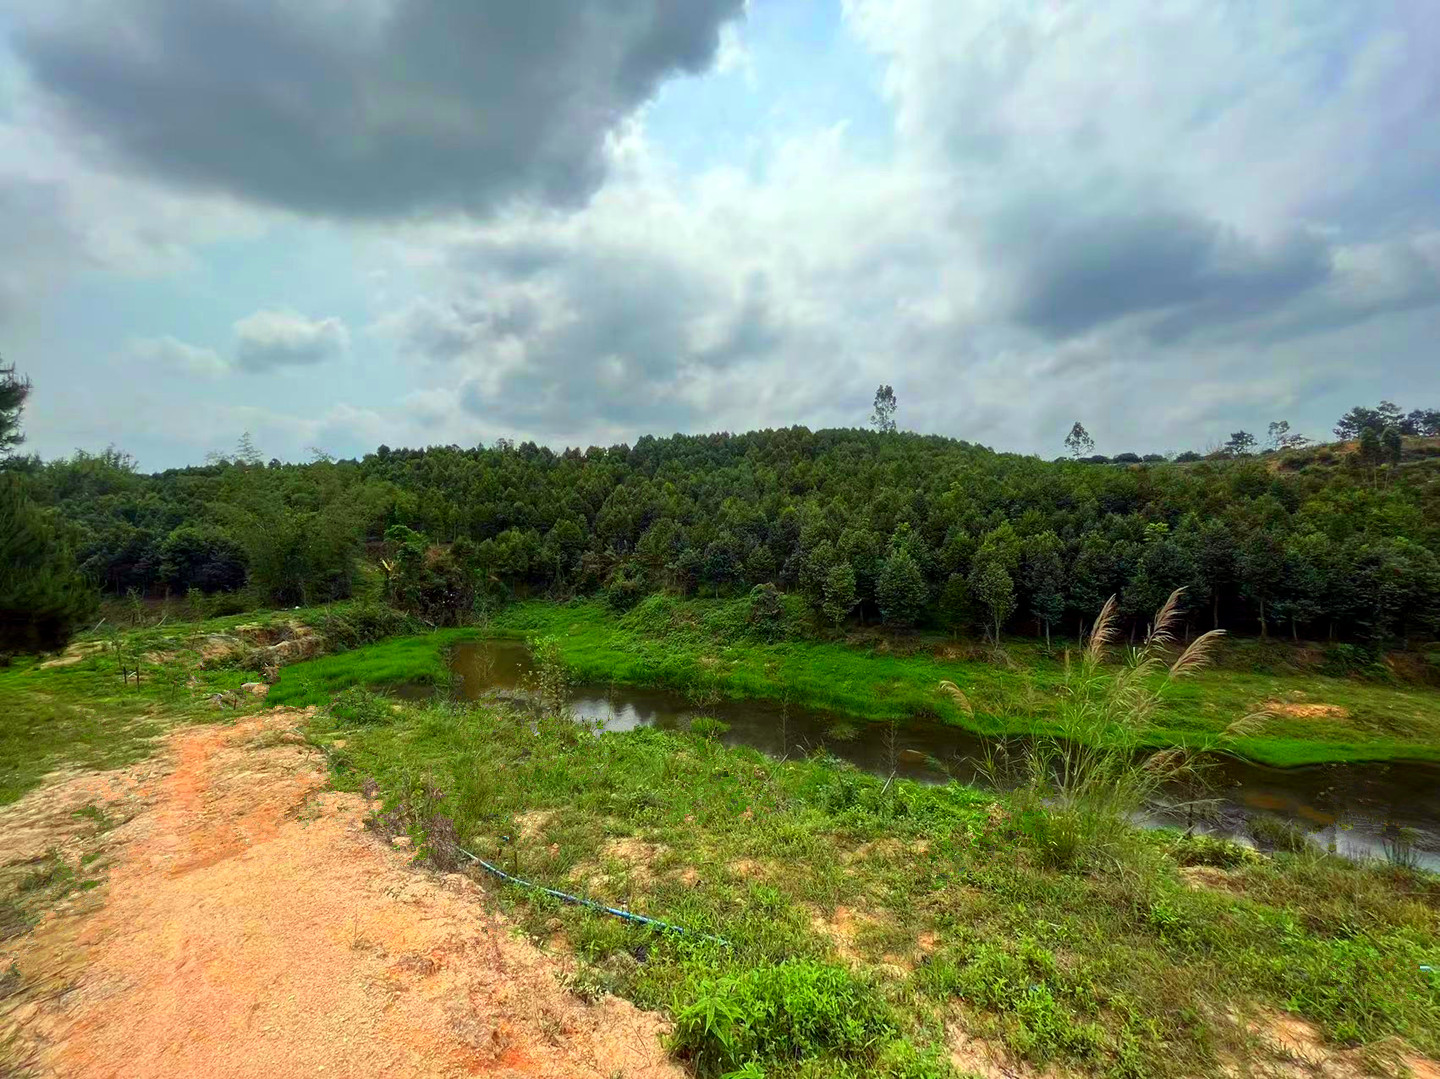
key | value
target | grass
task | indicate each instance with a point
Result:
(867, 920)
(414, 660)
(680, 643)
(80, 712)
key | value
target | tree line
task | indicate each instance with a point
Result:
(875, 526)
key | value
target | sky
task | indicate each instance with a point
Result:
(344, 223)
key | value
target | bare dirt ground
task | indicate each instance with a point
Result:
(251, 926)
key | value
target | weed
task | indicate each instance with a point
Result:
(358, 705)
(1398, 844)
(92, 812)
(1209, 850)
(708, 726)
(1078, 791)
(793, 1011)
(1276, 833)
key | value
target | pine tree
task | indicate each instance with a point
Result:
(13, 392)
(901, 589)
(839, 593)
(995, 591)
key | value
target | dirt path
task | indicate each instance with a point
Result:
(250, 926)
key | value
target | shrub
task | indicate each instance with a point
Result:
(708, 726)
(358, 705)
(623, 589)
(364, 623)
(767, 612)
(1274, 833)
(1209, 850)
(792, 1011)
(1345, 660)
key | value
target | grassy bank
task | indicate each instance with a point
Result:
(682, 644)
(892, 929)
(872, 928)
(76, 709)
(418, 660)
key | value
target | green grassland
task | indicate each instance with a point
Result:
(76, 709)
(866, 921)
(682, 643)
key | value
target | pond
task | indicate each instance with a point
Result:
(1353, 806)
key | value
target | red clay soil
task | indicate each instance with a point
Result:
(251, 926)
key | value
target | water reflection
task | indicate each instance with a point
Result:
(1347, 806)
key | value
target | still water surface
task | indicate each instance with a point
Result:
(1351, 805)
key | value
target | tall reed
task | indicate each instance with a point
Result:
(1081, 787)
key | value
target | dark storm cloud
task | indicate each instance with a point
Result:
(367, 108)
(1079, 273)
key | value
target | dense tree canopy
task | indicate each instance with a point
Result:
(1320, 541)
(42, 595)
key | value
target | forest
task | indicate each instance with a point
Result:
(1333, 542)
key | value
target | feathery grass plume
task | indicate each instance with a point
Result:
(1247, 724)
(1102, 633)
(1162, 630)
(958, 696)
(1198, 655)
(1087, 783)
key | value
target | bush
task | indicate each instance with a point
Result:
(793, 1011)
(708, 726)
(358, 705)
(1347, 660)
(623, 589)
(1274, 833)
(767, 612)
(222, 604)
(1209, 850)
(364, 623)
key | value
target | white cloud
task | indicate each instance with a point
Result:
(1170, 221)
(167, 352)
(271, 339)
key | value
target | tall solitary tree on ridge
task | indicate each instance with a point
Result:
(1079, 442)
(883, 418)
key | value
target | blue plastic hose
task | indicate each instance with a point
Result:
(575, 900)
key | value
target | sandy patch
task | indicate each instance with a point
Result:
(1288, 1047)
(844, 927)
(76, 653)
(252, 926)
(1307, 711)
(1210, 878)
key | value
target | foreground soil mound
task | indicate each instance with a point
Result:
(251, 926)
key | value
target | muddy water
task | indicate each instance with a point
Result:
(1352, 806)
